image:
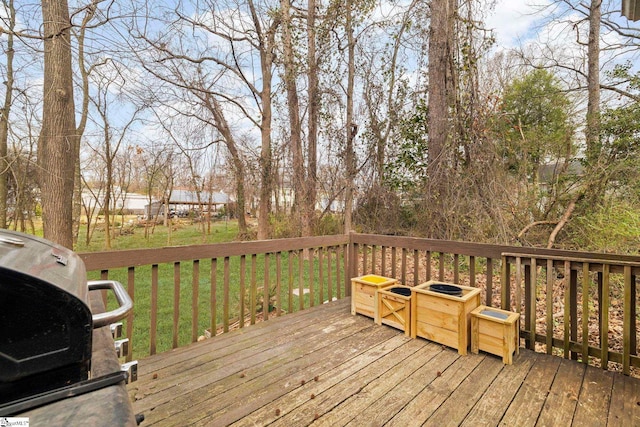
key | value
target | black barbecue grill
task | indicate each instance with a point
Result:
(46, 325)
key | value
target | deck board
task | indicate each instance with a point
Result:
(325, 367)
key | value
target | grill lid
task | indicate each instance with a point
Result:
(45, 321)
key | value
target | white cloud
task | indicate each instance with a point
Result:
(514, 21)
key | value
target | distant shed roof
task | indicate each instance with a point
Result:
(186, 197)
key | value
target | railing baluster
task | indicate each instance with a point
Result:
(505, 286)
(472, 271)
(393, 262)
(266, 291)
(321, 252)
(329, 281)
(604, 318)
(365, 251)
(300, 281)
(403, 267)
(573, 305)
(253, 292)
(518, 295)
(428, 266)
(131, 281)
(214, 296)
(567, 308)
(195, 290)
(243, 291)
(154, 309)
(383, 262)
(312, 296)
(626, 322)
(549, 305)
(373, 259)
(489, 275)
(340, 249)
(176, 303)
(633, 308)
(104, 275)
(585, 312)
(456, 269)
(441, 266)
(290, 281)
(278, 283)
(416, 267)
(530, 297)
(225, 296)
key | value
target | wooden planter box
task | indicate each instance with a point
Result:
(495, 331)
(443, 318)
(394, 309)
(363, 293)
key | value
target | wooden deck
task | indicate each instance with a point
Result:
(325, 367)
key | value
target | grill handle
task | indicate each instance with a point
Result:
(124, 302)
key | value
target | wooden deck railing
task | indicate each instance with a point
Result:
(222, 283)
(225, 283)
(561, 295)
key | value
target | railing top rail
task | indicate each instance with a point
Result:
(137, 257)
(617, 262)
(481, 249)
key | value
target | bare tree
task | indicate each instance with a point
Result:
(58, 136)
(5, 111)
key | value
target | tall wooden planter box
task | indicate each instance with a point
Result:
(394, 309)
(363, 293)
(445, 319)
(495, 331)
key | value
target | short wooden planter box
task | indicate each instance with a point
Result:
(495, 331)
(394, 309)
(363, 293)
(443, 318)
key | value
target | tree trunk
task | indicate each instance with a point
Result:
(440, 93)
(350, 160)
(592, 132)
(300, 203)
(77, 187)
(56, 144)
(314, 106)
(4, 123)
(238, 167)
(267, 42)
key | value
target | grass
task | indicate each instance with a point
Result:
(181, 233)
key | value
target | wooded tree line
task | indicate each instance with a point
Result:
(326, 116)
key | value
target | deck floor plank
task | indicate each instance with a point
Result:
(455, 409)
(217, 377)
(325, 367)
(529, 400)
(360, 402)
(330, 378)
(560, 405)
(624, 410)
(325, 402)
(435, 393)
(490, 408)
(385, 408)
(595, 397)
